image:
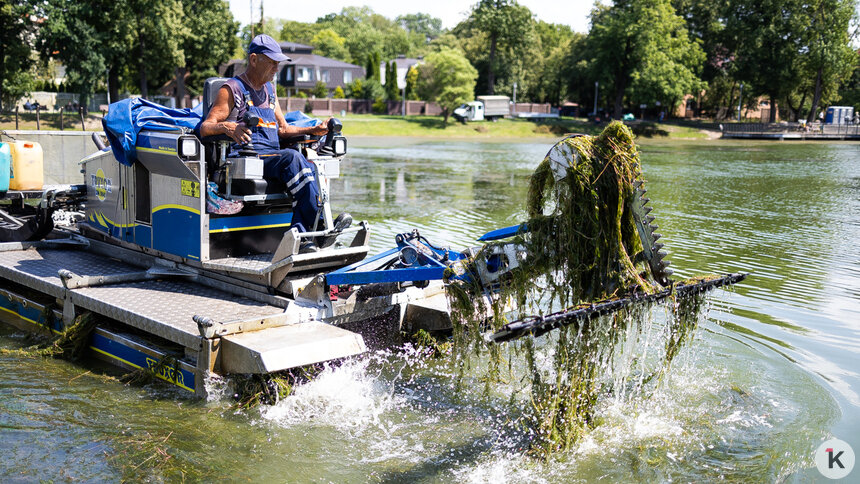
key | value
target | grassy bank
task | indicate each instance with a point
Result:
(432, 126)
(51, 121)
(411, 126)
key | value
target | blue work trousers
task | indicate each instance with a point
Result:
(299, 175)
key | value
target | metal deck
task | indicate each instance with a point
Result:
(162, 307)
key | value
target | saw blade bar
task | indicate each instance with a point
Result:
(539, 325)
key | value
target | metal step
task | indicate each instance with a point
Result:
(285, 347)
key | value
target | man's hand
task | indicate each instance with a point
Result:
(238, 132)
(320, 129)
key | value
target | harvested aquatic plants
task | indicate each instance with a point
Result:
(252, 390)
(71, 344)
(143, 376)
(581, 245)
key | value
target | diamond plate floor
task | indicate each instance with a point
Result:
(163, 307)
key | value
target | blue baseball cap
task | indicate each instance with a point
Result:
(264, 44)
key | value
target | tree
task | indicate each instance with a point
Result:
(372, 66)
(768, 36)
(211, 40)
(15, 32)
(391, 90)
(299, 32)
(77, 34)
(328, 43)
(421, 23)
(338, 93)
(160, 29)
(412, 83)
(448, 79)
(830, 59)
(642, 48)
(507, 24)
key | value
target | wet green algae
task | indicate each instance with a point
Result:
(581, 246)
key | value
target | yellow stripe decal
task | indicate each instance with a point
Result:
(157, 150)
(122, 226)
(180, 385)
(19, 316)
(177, 207)
(237, 229)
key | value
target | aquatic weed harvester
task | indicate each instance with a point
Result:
(169, 282)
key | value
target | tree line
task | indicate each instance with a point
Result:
(796, 53)
(116, 45)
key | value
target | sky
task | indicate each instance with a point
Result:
(569, 12)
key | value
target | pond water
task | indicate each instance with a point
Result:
(772, 371)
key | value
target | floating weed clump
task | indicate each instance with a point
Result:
(582, 245)
(70, 345)
(252, 390)
(144, 376)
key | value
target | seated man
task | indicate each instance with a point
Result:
(252, 91)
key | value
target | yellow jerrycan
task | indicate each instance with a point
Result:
(27, 165)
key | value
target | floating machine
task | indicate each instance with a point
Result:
(186, 292)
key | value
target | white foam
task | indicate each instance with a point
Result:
(346, 397)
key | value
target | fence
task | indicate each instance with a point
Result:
(787, 130)
(329, 106)
(61, 118)
(828, 129)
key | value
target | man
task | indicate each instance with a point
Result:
(252, 91)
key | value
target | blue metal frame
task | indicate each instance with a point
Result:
(504, 233)
(428, 268)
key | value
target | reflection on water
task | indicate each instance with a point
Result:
(771, 373)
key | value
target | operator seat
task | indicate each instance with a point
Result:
(217, 147)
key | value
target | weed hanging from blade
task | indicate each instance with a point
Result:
(582, 245)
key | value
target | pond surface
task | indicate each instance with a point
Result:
(772, 371)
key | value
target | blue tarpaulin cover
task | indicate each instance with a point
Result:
(300, 119)
(127, 117)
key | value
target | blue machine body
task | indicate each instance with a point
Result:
(5, 166)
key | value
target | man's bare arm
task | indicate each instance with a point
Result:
(216, 122)
(285, 130)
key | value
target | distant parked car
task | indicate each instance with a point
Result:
(628, 117)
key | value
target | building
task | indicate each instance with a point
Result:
(307, 68)
(304, 70)
(403, 64)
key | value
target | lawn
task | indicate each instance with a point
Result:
(432, 126)
(409, 126)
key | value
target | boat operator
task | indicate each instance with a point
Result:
(253, 91)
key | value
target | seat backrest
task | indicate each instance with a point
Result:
(210, 92)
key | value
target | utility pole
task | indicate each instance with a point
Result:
(251, 18)
(515, 97)
(596, 85)
(740, 98)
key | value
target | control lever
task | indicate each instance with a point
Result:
(251, 121)
(335, 141)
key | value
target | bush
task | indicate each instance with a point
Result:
(355, 89)
(281, 91)
(320, 90)
(338, 93)
(380, 106)
(373, 89)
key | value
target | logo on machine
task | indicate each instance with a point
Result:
(165, 372)
(101, 184)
